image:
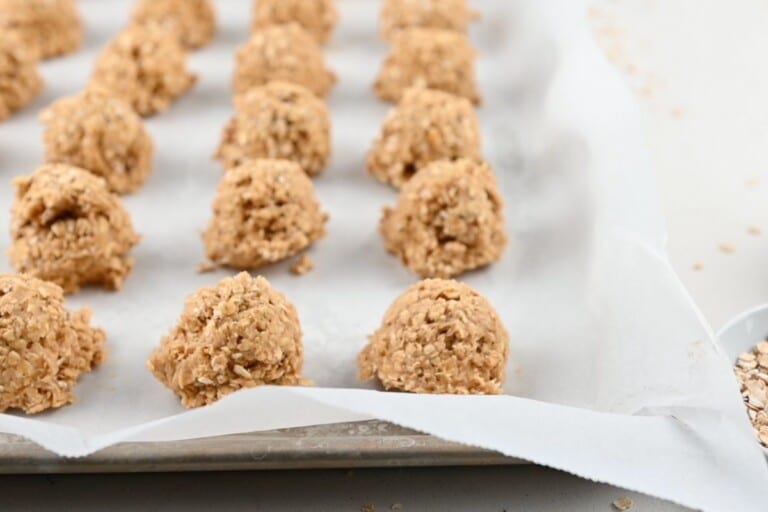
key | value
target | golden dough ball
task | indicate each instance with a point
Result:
(144, 66)
(431, 58)
(264, 211)
(68, 228)
(20, 81)
(286, 53)
(238, 334)
(279, 120)
(440, 336)
(426, 125)
(101, 134)
(192, 21)
(47, 28)
(44, 347)
(397, 15)
(318, 17)
(448, 220)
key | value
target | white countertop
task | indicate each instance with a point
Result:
(698, 68)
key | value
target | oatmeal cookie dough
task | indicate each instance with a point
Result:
(102, 134)
(282, 52)
(448, 219)
(44, 347)
(47, 28)
(318, 17)
(68, 228)
(239, 334)
(192, 21)
(278, 120)
(145, 67)
(20, 81)
(440, 336)
(432, 58)
(264, 211)
(426, 125)
(397, 15)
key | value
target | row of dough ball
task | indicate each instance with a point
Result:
(145, 65)
(439, 336)
(68, 228)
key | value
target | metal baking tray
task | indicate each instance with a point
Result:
(343, 445)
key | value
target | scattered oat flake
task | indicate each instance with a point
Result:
(755, 230)
(698, 266)
(753, 181)
(368, 507)
(205, 267)
(676, 112)
(727, 247)
(623, 504)
(302, 265)
(397, 506)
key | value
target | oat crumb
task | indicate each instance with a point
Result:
(753, 181)
(206, 267)
(677, 112)
(698, 266)
(397, 506)
(755, 230)
(727, 247)
(368, 507)
(302, 265)
(623, 504)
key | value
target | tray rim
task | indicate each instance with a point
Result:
(365, 444)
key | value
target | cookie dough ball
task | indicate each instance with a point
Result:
(102, 134)
(145, 67)
(20, 82)
(278, 120)
(239, 334)
(68, 228)
(47, 28)
(448, 219)
(282, 52)
(44, 347)
(264, 212)
(397, 15)
(318, 17)
(426, 125)
(192, 21)
(440, 336)
(432, 58)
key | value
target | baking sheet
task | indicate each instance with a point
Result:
(612, 375)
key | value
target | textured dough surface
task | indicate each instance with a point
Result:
(432, 58)
(397, 15)
(193, 22)
(447, 220)
(278, 120)
(44, 348)
(68, 228)
(20, 81)
(318, 17)
(144, 66)
(47, 28)
(440, 336)
(264, 211)
(102, 134)
(426, 125)
(238, 334)
(282, 52)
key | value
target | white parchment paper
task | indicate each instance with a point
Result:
(613, 374)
